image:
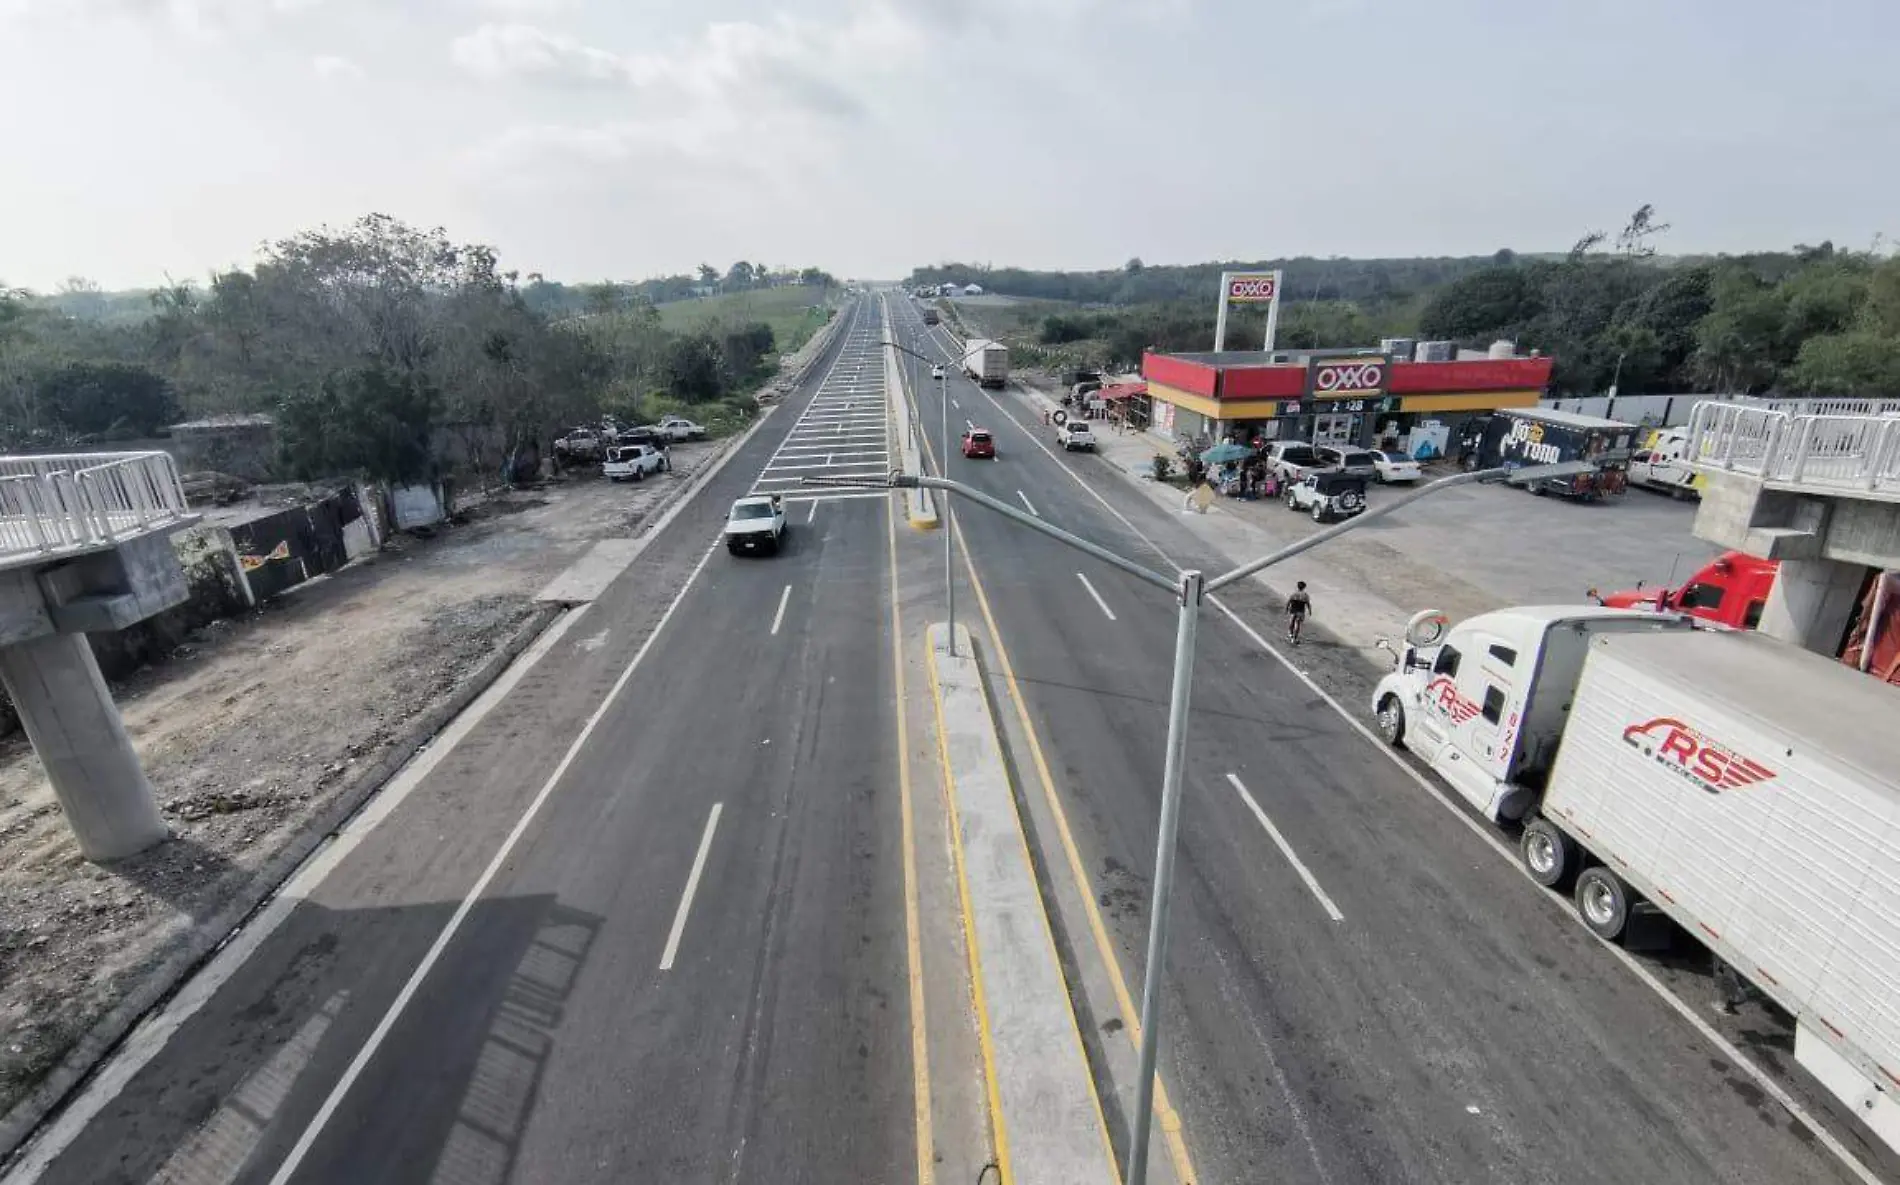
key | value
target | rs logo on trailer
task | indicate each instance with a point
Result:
(1703, 760)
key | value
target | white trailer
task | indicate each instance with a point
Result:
(986, 362)
(1746, 788)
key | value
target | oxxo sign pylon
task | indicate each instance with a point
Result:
(1248, 288)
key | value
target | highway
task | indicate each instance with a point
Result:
(646, 921)
(1357, 990)
(665, 906)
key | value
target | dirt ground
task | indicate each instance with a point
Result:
(252, 728)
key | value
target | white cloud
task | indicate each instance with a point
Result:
(497, 52)
(331, 67)
(200, 18)
(524, 7)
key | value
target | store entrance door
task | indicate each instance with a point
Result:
(1337, 430)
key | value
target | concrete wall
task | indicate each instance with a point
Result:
(1739, 512)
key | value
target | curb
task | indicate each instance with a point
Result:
(201, 941)
(1047, 1117)
(919, 510)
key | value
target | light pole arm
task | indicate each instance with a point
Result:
(1514, 476)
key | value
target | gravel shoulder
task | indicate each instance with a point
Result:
(253, 728)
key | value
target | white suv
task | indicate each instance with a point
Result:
(756, 523)
(633, 461)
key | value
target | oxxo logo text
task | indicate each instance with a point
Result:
(1530, 439)
(1703, 760)
(1355, 378)
(1250, 289)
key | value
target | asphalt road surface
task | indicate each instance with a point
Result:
(641, 926)
(1356, 991)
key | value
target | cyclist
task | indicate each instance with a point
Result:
(1297, 607)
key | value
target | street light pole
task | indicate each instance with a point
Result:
(1189, 588)
(1187, 624)
(949, 518)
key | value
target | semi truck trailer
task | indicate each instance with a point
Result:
(986, 362)
(1741, 786)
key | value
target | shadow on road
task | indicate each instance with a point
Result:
(447, 1095)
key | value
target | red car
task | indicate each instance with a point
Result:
(978, 443)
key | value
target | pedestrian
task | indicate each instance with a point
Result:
(1045, 417)
(1730, 991)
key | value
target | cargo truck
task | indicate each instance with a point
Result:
(986, 362)
(1535, 436)
(1742, 787)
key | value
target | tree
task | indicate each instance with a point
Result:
(373, 420)
(708, 275)
(1739, 344)
(1633, 240)
(107, 400)
(1860, 363)
(1133, 266)
(1498, 302)
(695, 368)
(739, 277)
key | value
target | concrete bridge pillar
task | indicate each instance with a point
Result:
(75, 728)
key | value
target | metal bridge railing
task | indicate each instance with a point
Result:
(77, 501)
(1849, 454)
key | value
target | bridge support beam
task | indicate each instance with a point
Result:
(75, 728)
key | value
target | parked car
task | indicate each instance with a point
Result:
(681, 428)
(580, 444)
(1292, 460)
(1074, 433)
(1328, 496)
(756, 523)
(634, 462)
(1354, 461)
(648, 435)
(978, 443)
(1395, 467)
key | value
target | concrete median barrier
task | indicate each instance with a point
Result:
(1048, 1117)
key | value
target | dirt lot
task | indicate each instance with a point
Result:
(252, 728)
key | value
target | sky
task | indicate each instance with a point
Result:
(597, 139)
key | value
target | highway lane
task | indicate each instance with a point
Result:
(545, 1041)
(1452, 1025)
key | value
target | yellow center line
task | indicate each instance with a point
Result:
(1168, 1118)
(913, 939)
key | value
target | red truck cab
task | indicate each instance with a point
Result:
(1730, 591)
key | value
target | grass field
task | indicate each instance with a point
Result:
(787, 310)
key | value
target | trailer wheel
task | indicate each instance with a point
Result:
(1392, 721)
(1603, 902)
(1550, 856)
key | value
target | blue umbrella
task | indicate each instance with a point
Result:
(1226, 451)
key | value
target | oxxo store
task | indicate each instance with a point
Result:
(1347, 398)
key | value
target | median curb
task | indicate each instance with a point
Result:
(1047, 1116)
(919, 509)
(195, 946)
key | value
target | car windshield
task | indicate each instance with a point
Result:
(1298, 456)
(1078, 426)
(747, 510)
(979, 438)
(1358, 459)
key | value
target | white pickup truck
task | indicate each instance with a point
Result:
(634, 462)
(756, 523)
(1074, 434)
